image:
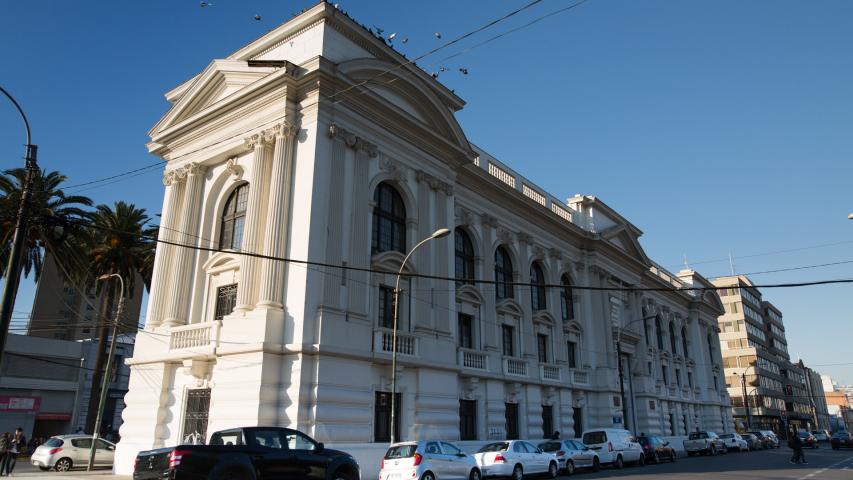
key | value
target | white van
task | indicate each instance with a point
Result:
(614, 446)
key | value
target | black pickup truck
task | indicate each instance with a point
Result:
(250, 453)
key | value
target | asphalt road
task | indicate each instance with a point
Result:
(823, 464)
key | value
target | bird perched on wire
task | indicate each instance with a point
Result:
(438, 35)
(463, 70)
(406, 40)
(258, 18)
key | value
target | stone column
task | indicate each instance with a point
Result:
(249, 266)
(187, 235)
(278, 213)
(160, 290)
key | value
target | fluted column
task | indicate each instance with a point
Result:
(278, 211)
(187, 234)
(163, 258)
(250, 266)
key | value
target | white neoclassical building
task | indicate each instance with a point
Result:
(319, 142)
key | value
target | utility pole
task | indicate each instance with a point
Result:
(106, 380)
(746, 401)
(13, 268)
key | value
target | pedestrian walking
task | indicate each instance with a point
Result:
(796, 445)
(19, 445)
(5, 445)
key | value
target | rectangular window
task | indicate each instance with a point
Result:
(577, 418)
(651, 372)
(690, 379)
(386, 307)
(382, 417)
(573, 354)
(716, 383)
(507, 332)
(195, 416)
(664, 375)
(466, 331)
(678, 377)
(547, 421)
(467, 419)
(511, 415)
(671, 423)
(226, 300)
(542, 347)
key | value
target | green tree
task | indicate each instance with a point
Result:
(55, 222)
(122, 242)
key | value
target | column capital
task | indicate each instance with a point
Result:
(284, 129)
(194, 169)
(170, 177)
(258, 139)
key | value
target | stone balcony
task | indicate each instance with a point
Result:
(201, 338)
(383, 342)
(514, 367)
(473, 359)
(550, 373)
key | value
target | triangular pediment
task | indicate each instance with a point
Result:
(624, 239)
(220, 80)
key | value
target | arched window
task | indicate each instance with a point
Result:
(567, 303)
(537, 287)
(684, 340)
(503, 274)
(389, 220)
(672, 337)
(464, 258)
(233, 219)
(659, 332)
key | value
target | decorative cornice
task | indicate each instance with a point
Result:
(504, 236)
(397, 171)
(234, 169)
(353, 141)
(488, 220)
(524, 237)
(555, 253)
(464, 216)
(434, 182)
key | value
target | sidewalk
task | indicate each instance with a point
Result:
(26, 470)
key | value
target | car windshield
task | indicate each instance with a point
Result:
(53, 442)
(550, 446)
(727, 435)
(803, 434)
(842, 435)
(495, 447)
(698, 435)
(401, 451)
(594, 437)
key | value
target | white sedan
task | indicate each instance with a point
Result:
(515, 458)
(734, 441)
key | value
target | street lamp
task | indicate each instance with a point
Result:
(13, 269)
(441, 232)
(619, 362)
(106, 380)
(746, 406)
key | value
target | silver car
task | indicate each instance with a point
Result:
(572, 455)
(428, 460)
(64, 452)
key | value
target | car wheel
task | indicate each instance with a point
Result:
(474, 475)
(517, 473)
(570, 467)
(63, 464)
(618, 464)
(672, 456)
(596, 465)
(342, 475)
(713, 450)
(553, 470)
(427, 476)
(642, 461)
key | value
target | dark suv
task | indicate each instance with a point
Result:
(656, 449)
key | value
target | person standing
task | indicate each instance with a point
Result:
(5, 445)
(19, 444)
(796, 445)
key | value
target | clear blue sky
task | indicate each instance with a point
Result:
(715, 127)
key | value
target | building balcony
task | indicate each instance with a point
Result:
(580, 377)
(383, 342)
(473, 360)
(515, 367)
(550, 373)
(196, 337)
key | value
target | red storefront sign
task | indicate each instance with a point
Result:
(14, 403)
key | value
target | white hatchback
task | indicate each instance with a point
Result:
(427, 460)
(515, 458)
(64, 452)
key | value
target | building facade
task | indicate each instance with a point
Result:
(506, 328)
(838, 404)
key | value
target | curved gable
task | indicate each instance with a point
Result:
(408, 94)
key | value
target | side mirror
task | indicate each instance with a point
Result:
(320, 447)
(461, 455)
(665, 444)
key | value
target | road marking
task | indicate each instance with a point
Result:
(822, 470)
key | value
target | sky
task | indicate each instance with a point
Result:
(718, 128)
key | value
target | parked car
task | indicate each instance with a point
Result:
(515, 458)
(428, 460)
(64, 452)
(614, 446)
(249, 453)
(841, 439)
(656, 449)
(733, 441)
(774, 439)
(807, 438)
(704, 443)
(821, 435)
(572, 454)
(766, 442)
(754, 442)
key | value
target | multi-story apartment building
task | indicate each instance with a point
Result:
(66, 310)
(838, 404)
(759, 372)
(506, 329)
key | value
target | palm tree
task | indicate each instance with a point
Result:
(55, 218)
(120, 242)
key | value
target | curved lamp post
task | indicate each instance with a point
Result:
(746, 406)
(441, 232)
(13, 269)
(106, 380)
